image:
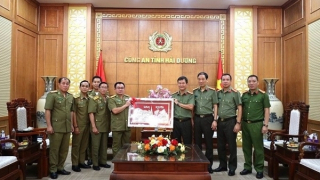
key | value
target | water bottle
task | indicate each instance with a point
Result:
(3, 137)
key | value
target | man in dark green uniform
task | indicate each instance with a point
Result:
(184, 102)
(255, 119)
(205, 112)
(58, 114)
(81, 127)
(228, 124)
(96, 80)
(100, 126)
(119, 106)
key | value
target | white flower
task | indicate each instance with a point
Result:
(179, 144)
(182, 148)
(160, 149)
(152, 142)
(140, 146)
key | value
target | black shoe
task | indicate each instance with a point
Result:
(259, 175)
(105, 165)
(53, 175)
(84, 166)
(210, 170)
(245, 172)
(219, 169)
(63, 172)
(231, 173)
(97, 168)
(76, 168)
(89, 162)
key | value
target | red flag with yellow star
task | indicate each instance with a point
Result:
(220, 72)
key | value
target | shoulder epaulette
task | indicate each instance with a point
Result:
(113, 96)
(245, 91)
(126, 95)
(234, 90)
(90, 90)
(189, 92)
(54, 91)
(175, 92)
(96, 97)
(195, 88)
(262, 91)
(211, 88)
(76, 95)
(90, 96)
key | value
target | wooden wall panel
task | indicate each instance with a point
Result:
(108, 55)
(7, 8)
(313, 126)
(51, 19)
(174, 27)
(269, 21)
(4, 124)
(128, 30)
(149, 74)
(293, 16)
(294, 66)
(109, 26)
(193, 30)
(312, 10)
(24, 64)
(146, 28)
(269, 62)
(27, 14)
(50, 59)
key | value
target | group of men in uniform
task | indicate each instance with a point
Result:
(227, 112)
(90, 115)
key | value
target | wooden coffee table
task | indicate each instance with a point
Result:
(288, 156)
(192, 165)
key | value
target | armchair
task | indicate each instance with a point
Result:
(19, 118)
(9, 165)
(295, 123)
(309, 168)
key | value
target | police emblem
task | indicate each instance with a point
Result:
(160, 42)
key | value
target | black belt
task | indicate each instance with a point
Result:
(204, 115)
(255, 121)
(227, 119)
(182, 119)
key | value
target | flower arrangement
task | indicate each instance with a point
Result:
(161, 145)
(160, 92)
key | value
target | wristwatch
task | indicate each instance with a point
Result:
(238, 122)
(266, 125)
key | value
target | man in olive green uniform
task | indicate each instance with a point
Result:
(184, 102)
(58, 114)
(100, 126)
(96, 80)
(228, 124)
(205, 112)
(81, 127)
(119, 105)
(255, 119)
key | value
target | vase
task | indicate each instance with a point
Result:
(49, 86)
(276, 109)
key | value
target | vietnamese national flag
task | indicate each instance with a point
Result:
(220, 72)
(100, 69)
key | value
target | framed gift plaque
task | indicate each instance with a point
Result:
(151, 112)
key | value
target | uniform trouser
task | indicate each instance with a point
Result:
(59, 147)
(182, 129)
(119, 139)
(203, 126)
(252, 136)
(225, 135)
(89, 152)
(99, 148)
(79, 145)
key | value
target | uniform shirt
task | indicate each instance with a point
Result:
(204, 100)
(228, 103)
(185, 98)
(60, 108)
(92, 93)
(80, 108)
(119, 122)
(253, 105)
(98, 106)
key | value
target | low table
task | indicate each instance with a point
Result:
(192, 165)
(28, 154)
(288, 156)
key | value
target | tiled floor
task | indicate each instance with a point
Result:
(105, 173)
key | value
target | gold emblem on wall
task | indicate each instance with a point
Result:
(160, 42)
